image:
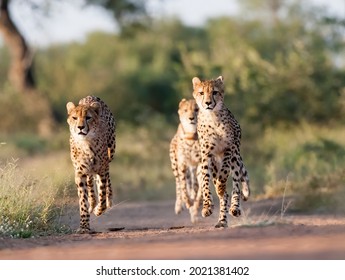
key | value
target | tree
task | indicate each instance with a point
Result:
(21, 68)
(21, 76)
(125, 12)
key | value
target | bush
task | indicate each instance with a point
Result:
(307, 162)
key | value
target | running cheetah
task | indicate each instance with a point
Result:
(92, 143)
(185, 158)
(219, 137)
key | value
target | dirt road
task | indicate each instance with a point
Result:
(151, 230)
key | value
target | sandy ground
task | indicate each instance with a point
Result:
(151, 230)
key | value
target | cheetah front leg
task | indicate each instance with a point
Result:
(174, 167)
(101, 188)
(245, 192)
(194, 186)
(183, 178)
(236, 193)
(80, 181)
(220, 174)
(198, 196)
(109, 192)
(235, 208)
(223, 202)
(178, 202)
(91, 193)
(206, 193)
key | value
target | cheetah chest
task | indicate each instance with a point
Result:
(188, 152)
(216, 134)
(89, 158)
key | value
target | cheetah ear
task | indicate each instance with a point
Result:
(220, 79)
(195, 82)
(70, 106)
(97, 107)
(182, 101)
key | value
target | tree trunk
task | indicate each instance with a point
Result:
(21, 68)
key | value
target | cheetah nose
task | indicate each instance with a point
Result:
(208, 103)
(192, 118)
(81, 127)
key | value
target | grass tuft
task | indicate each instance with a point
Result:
(27, 205)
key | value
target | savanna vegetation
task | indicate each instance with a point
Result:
(284, 73)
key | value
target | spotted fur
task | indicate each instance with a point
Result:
(92, 144)
(185, 158)
(219, 137)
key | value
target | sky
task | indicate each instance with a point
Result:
(68, 22)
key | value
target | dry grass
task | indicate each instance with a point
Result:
(28, 205)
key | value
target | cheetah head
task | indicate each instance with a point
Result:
(187, 112)
(208, 94)
(83, 119)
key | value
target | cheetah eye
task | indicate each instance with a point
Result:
(201, 93)
(74, 118)
(215, 92)
(87, 118)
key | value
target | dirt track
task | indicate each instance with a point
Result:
(153, 231)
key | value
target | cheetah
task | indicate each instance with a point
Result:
(92, 144)
(219, 136)
(185, 158)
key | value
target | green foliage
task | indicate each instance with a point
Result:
(323, 193)
(30, 143)
(134, 78)
(23, 113)
(307, 162)
(128, 13)
(272, 72)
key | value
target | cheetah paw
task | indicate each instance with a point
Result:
(194, 219)
(98, 210)
(221, 224)
(207, 211)
(91, 208)
(193, 215)
(83, 230)
(235, 211)
(92, 205)
(188, 203)
(178, 207)
(109, 203)
(245, 192)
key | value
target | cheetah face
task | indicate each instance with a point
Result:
(187, 112)
(82, 120)
(209, 94)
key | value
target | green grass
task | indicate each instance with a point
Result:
(28, 205)
(307, 162)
